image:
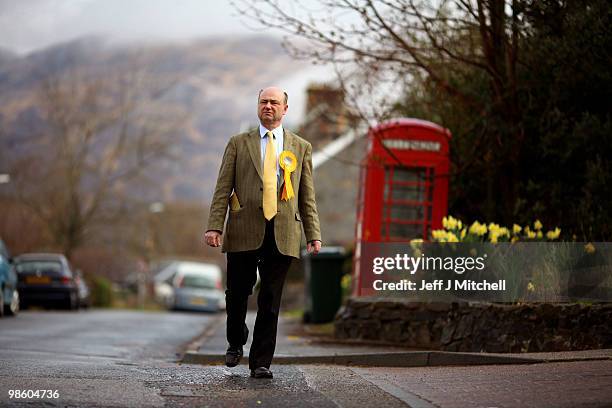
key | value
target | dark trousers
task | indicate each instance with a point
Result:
(241, 277)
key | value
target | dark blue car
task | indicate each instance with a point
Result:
(9, 296)
(47, 280)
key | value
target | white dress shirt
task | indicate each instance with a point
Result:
(278, 145)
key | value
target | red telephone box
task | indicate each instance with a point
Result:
(403, 189)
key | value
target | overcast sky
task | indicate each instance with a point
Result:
(27, 25)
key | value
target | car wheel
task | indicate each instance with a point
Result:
(13, 308)
(1, 302)
(71, 302)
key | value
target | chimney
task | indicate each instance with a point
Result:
(327, 117)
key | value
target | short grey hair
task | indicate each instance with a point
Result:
(284, 93)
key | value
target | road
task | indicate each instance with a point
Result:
(113, 358)
(103, 358)
(94, 358)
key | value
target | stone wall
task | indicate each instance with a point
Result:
(475, 327)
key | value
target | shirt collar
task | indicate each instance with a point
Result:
(278, 132)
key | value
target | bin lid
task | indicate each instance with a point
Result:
(325, 252)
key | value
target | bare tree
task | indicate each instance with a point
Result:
(102, 135)
(402, 36)
(392, 42)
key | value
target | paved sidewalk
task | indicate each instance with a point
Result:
(292, 349)
(329, 374)
(560, 384)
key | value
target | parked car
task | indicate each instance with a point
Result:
(190, 286)
(83, 290)
(9, 295)
(46, 279)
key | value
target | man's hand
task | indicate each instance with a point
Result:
(313, 246)
(213, 238)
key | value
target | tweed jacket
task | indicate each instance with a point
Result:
(241, 173)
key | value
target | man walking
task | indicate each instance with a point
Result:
(266, 178)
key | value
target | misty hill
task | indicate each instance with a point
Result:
(214, 80)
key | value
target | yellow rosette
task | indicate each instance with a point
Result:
(288, 163)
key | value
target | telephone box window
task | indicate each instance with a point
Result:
(403, 184)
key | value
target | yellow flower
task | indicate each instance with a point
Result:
(416, 244)
(516, 229)
(438, 234)
(495, 232)
(459, 224)
(530, 234)
(589, 248)
(504, 231)
(478, 229)
(514, 239)
(530, 287)
(444, 236)
(539, 234)
(451, 223)
(345, 282)
(551, 235)
(463, 233)
(537, 225)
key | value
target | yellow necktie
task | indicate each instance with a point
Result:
(269, 180)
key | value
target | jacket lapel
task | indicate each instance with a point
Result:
(253, 144)
(288, 144)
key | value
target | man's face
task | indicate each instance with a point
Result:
(271, 107)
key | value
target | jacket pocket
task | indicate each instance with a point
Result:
(234, 203)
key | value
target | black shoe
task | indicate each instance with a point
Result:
(233, 356)
(261, 372)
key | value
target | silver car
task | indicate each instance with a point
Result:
(190, 286)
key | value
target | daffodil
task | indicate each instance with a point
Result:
(416, 242)
(516, 229)
(438, 234)
(450, 237)
(552, 235)
(451, 223)
(537, 225)
(478, 229)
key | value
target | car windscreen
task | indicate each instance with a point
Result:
(198, 282)
(51, 268)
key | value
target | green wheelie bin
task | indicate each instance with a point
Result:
(322, 276)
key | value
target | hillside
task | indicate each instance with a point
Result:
(215, 80)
